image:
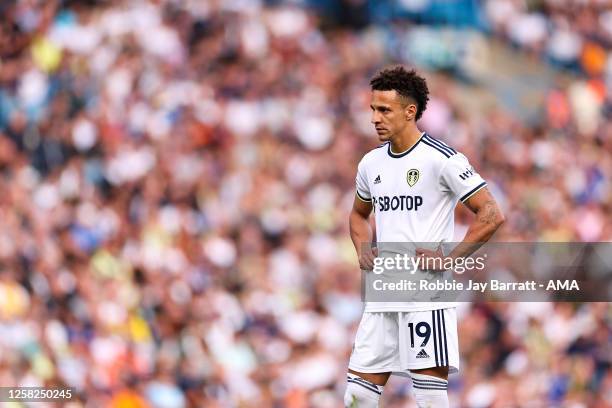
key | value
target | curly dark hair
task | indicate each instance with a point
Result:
(406, 83)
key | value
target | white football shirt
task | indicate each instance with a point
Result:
(414, 195)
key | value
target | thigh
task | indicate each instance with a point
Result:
(375, 350)
(440, 372)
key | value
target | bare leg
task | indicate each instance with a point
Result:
(376, 378)
(440, 372)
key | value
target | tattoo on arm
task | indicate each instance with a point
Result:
(488, 212)
(485, 207)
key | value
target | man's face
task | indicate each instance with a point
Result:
(389, 115)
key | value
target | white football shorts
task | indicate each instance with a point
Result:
(398, 342)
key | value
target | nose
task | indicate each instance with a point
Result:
(375, 118)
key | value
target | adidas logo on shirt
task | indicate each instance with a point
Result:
(377, 179)
(422, 354)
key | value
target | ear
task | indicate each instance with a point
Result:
(410, 111)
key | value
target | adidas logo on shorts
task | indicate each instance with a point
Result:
(422, 354)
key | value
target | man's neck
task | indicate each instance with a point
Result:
(406, 140)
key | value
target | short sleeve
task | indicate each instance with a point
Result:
(363, 189)
(460, 178)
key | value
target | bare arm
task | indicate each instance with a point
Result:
(361, 232)
(489, 218)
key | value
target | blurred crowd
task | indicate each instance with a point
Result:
(576, 35)
(176, 180)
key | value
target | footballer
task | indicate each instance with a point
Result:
(412, 182)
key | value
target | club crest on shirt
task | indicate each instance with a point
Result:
(412, 176)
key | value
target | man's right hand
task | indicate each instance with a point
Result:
(366, 259)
